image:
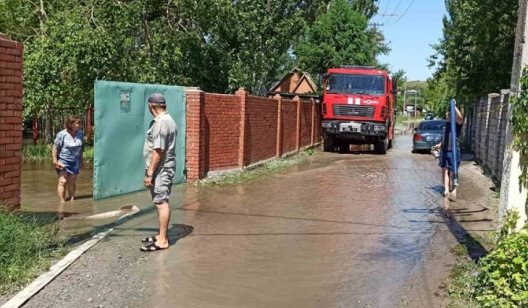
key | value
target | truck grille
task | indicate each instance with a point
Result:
(352, 110)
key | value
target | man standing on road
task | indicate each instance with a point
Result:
(160, 159)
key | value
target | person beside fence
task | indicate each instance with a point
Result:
(446, 153)
(159, 152)
(67, 155)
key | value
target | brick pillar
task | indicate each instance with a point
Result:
(278, 98)
(297, 100)
(242, 94)
(10, 122)
(312, 140)
(195, 139)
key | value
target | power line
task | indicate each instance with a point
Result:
(404, 12)
(383, 15)
(395, 10)
(386, 8)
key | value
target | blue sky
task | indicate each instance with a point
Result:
(411, 36)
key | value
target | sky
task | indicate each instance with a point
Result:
(410, 34)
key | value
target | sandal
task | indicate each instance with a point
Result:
(152, 247)
(149, 239)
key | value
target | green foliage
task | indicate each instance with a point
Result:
(368, 8)
(463, 279)
(498, 279)
(520, 126)
(438, 93)
(474, 57)
(42, 153)
(218, 45)
(27, 247)
(39, 152)
(339, 36)
(501, 281)
(509, 225)
(401, 79)
(88, 154)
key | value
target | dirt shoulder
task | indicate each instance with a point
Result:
(462, 231)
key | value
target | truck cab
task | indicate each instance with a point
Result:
(358, 108)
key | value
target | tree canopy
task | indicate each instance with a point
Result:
(218, 45)
(475, 55)
(339, 36)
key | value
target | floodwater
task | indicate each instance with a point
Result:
(342, 230)
(39, 196)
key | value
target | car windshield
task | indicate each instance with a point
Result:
(432, 125)
(356, 84)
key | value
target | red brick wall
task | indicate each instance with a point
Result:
(261, 130)
(318, 131)
(289, 125)
(222, 131)
(10, 121)
(306, 123)
(234, 131)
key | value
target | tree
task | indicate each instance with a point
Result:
(401, 78)
(367, 8)
(339, 36)
(474, 57)
(218, 45)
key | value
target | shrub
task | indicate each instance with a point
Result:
(503, 277)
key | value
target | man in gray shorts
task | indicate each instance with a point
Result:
(160, 159)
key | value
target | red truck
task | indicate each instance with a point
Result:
(358, 108)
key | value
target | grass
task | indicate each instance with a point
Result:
(28, 247)
(271, 167)
(463, 277)
(464, 274)
(41, 153)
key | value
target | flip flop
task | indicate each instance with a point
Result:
(149, 239)
(152, 247)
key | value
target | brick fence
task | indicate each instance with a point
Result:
(10, 121)
(487, 132)
(230, 132)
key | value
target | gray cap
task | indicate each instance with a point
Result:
(157, 99)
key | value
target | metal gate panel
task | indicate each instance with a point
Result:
(121, 121)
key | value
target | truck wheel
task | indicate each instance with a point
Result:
(381, 147)
(391, 142)
(344, 147)
(328, 144)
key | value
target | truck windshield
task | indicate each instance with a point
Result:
(356, 84)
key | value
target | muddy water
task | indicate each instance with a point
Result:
(344, 230)
(39, 195)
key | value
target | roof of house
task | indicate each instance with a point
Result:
(292, 81)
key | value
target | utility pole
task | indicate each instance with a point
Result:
(415, 92)
(404, 96)
(415, 98)
(513, 194)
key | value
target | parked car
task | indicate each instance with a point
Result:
(427, 134)
(429, 116)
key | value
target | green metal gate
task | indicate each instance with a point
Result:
(121, 121)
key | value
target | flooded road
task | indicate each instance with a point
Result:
(342, 230)
(39, 196)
